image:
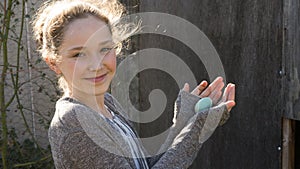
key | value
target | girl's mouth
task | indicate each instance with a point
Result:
(97, 79)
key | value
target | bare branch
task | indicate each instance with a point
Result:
(2, 6)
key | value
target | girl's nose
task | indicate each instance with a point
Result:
(96, 63)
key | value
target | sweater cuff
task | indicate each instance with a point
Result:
(184, 106)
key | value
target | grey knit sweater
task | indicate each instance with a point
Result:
(80, 138)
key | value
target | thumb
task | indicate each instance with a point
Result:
(230, 104)
(186, 87)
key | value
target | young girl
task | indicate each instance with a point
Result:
(77, 39)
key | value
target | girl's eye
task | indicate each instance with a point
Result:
(105, 50)
(80, 54)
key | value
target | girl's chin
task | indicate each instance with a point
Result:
(93, 91)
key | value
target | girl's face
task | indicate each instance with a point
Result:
(88, 58)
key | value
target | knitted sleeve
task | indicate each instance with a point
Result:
(80, 152)
(189, 131)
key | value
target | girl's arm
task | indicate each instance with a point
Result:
(184, 105)
(184, 148)
(78, 150)
(195, 128)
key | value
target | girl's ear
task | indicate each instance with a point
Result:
(52, 64)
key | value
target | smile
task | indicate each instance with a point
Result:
(97, 79)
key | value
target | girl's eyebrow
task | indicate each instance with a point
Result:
(76, 48)
(82, 47)
(105, 42)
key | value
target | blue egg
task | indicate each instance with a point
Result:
(203, 104)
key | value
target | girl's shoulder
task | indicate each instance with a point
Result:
(72, 114)
(67, 106)
(65, 116)
(64, 121)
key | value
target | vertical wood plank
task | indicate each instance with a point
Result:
(291, 58)
(297, 144)
(288, 144)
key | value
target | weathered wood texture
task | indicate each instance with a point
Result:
(297, 145)
(288, 143)
(248, 37)
(291, 89)
(291, 58)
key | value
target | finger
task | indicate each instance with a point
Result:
(226, 93)
(217, 93)
(216, 85)
(211, 87)
(231, 94)
(230, 105)
(219, 86)
(199, 89)
(216, 97)
(186, 87)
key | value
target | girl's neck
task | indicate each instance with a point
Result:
(94, 102)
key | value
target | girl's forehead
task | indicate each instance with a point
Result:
(86, 31)
(88, 25)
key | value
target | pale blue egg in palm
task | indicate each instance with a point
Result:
(203, 104)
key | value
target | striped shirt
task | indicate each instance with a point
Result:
(130, 137)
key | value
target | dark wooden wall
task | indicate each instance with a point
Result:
(291, 76)
(248, 35)
(291, 58)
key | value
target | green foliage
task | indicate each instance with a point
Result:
(26, 155)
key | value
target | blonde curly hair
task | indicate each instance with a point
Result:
(53, 17)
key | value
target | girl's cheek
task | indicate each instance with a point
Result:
(113, 61)
(71, 68)
(77, 65)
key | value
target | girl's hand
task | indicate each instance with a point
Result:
(214, 91)
(228, 96)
